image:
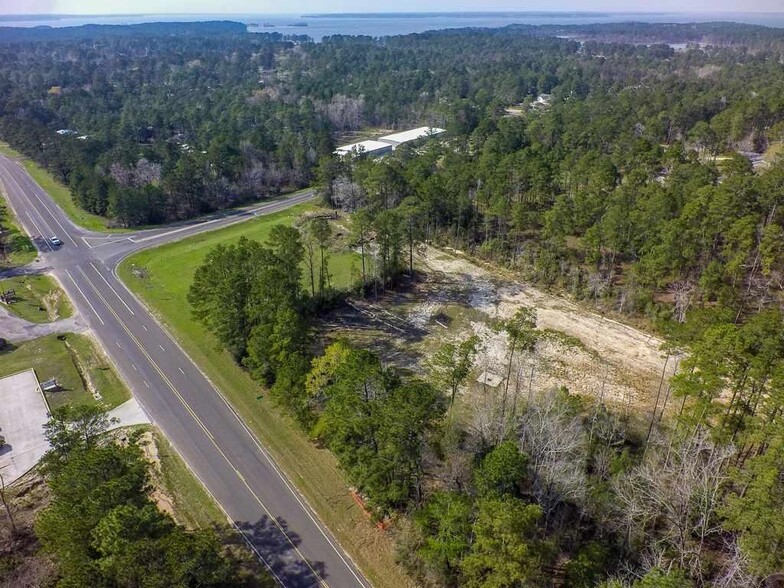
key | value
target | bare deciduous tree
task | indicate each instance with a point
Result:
(557, 445)
(670, 499)
(345, 113)
(143, 173)
(682, 296)
(485, 416)
(734, 569)
(597, 284)
(347, 195)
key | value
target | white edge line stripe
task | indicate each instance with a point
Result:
(85, 297)
(35, 190)
(24, 195)
(196, 418)
(40, 232)
(112, 288)
(352, 567)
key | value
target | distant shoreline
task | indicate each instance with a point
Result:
(377, 25)
(468, 14)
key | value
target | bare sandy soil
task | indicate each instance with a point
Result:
(623, 362)
(18, 330)
(164, 502)
(587, 352)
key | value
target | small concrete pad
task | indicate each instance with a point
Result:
(490, 379)
(23, 413)
(129, 413)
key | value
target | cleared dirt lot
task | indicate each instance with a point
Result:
(587, 352)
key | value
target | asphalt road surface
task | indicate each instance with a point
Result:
(231, 462)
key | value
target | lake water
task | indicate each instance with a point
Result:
(381, 25)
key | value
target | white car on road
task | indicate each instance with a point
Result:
(55, 241)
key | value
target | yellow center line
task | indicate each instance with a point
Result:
(203, 427)
(270, 461)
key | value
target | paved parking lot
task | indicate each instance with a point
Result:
(23, 412)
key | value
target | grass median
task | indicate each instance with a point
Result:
(37, 298)
(18, 248)
(161, 277)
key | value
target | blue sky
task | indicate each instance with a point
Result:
(304, 6)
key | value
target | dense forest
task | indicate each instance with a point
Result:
(607, 166)
(713, 33)
(170, 121)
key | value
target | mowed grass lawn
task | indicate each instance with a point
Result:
(161, 277)
(168, 270)
(19, 248)
(38, 298)
(73, 360)
(61, 194)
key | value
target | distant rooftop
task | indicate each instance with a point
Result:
(368, 147)
(411, 135)
(388, 142)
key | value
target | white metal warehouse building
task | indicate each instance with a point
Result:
(387, 143)
(364, 148)
(411, 135)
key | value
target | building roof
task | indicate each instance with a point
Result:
(363, 147)
(411, 135)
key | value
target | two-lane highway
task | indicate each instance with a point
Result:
(231, 462)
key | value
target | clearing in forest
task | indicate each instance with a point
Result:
(455, 298)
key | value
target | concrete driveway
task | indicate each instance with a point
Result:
(129, 413)
(17, 330)
(23, 413)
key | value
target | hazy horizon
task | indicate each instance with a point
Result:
(395, 12)
(229, 7)
(223, 15)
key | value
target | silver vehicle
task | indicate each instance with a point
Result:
(55, 241)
